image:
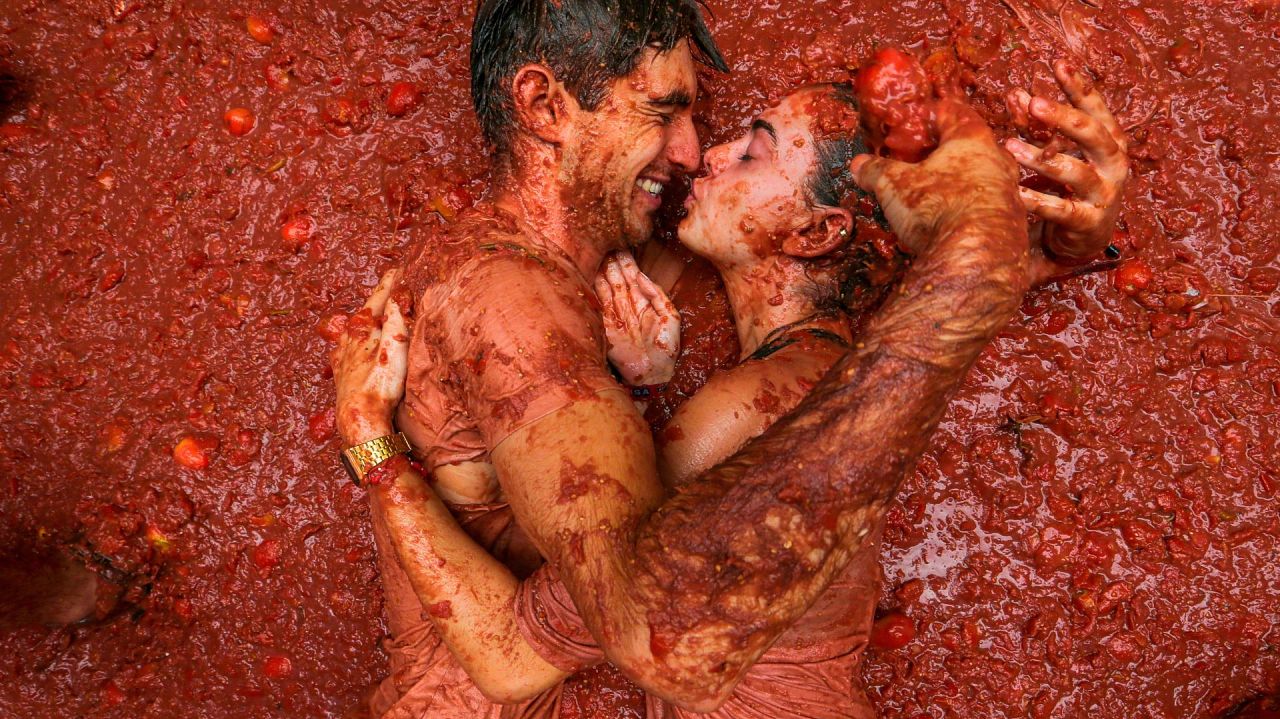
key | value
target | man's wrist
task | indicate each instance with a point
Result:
(358, 433)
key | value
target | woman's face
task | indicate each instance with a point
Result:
(754, 191)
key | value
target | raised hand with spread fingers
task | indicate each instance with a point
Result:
(1079, 226)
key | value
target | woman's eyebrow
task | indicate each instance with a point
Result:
(764, 125)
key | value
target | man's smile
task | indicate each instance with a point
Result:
(651, 191)
(653, 187)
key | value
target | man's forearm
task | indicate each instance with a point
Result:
(740, 554)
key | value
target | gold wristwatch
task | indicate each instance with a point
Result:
(363, 457)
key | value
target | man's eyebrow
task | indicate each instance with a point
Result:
(675, 98)
(764, 125)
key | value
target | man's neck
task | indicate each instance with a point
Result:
(534, 198)
(765, 297)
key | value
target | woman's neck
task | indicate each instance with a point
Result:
(764, 298)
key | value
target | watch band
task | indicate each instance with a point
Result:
(362, 458)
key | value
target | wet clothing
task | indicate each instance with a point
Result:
(479, 377)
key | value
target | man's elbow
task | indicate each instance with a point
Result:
(511, 687)
(690, 688)
(507, 692)
(704, 705)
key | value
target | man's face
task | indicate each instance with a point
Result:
(624, 154)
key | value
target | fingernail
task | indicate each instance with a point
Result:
(1018, 149)
(1039, 105)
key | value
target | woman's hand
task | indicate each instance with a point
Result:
(640, 323)
(1080, 226)
(369, 366)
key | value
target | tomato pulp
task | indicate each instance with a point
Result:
(1093, 530)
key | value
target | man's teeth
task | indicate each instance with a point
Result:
(649, 186)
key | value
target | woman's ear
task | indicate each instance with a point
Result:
(830, 230)
(543, 107)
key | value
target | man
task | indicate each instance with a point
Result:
(510, 399)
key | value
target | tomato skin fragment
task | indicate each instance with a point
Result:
(321, 425)
(277, 666)
(266, 555)
(1133, 277)
(192, 452)
(112, 694)
(893, 631)
(277, 77)
(402, 98)
(259, 29)
(296, 232)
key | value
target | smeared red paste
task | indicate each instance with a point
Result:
(1093, 532)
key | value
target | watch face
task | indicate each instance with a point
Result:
(351, 470)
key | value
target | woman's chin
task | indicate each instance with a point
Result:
(692, 236)
(689, 233)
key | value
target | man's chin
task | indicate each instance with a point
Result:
(638, 229)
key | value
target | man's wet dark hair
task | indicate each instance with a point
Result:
(586, 43)
(831, 182)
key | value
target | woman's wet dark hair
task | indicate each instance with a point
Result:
(832, 183)
(586, 43)
(841, 279)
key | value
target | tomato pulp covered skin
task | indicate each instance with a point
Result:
(1092, 532)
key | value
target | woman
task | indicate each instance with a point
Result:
(772, 216)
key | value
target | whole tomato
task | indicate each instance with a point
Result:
(894, 93)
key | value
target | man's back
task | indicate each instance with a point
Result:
(478, 374)
(475, 376)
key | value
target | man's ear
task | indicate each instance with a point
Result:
(830, 230)
(543, 107)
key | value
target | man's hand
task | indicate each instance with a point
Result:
(640, 323)
(968, 181)
(369, 366)
(1078, 227)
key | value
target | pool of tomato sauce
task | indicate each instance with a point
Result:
(1092, 532)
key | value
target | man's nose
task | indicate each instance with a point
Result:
(682, 149)
(714, 159)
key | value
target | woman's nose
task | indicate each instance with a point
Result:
(714, 159)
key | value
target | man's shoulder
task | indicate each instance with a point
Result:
(480, 245)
